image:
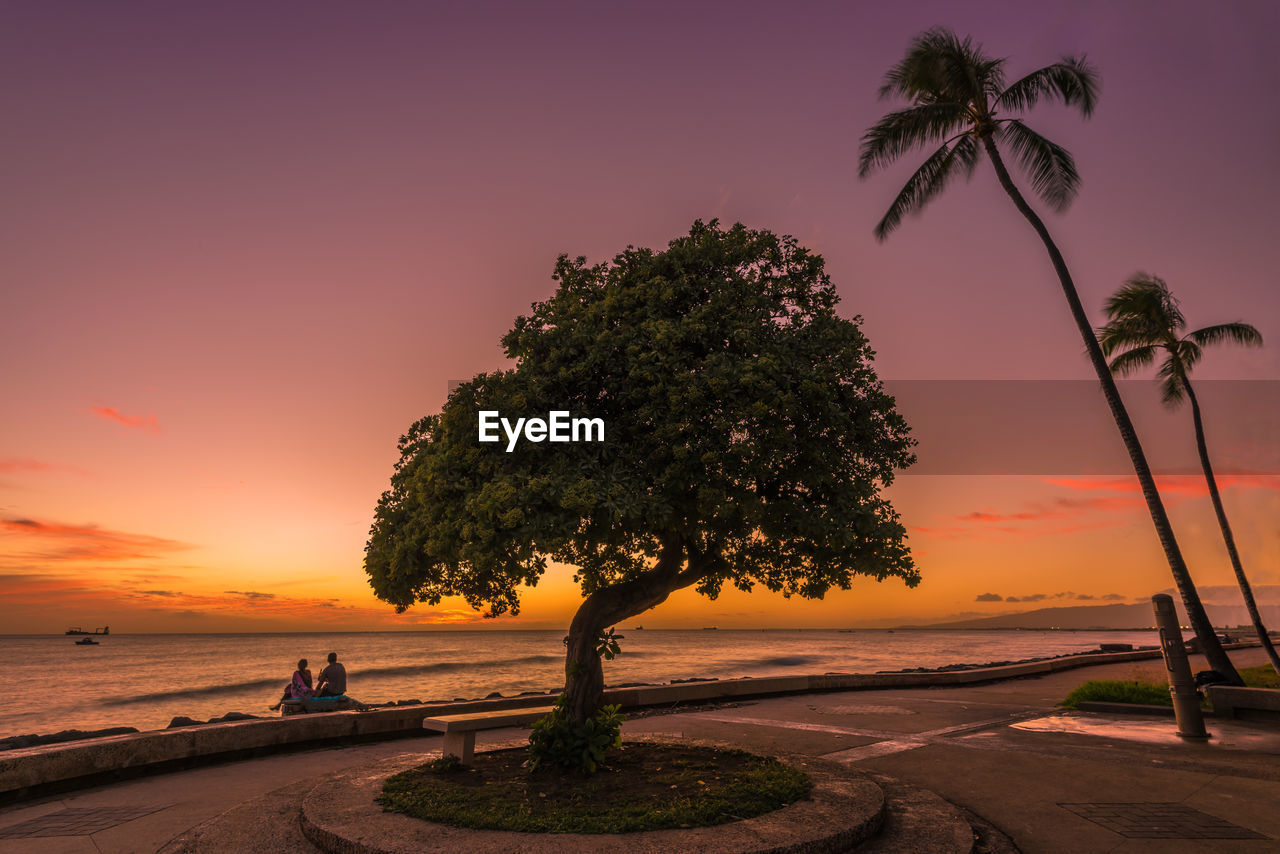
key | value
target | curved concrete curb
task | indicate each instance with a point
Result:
(340, 817)
(33, 771)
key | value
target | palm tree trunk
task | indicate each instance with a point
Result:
(1209, 644)
(1227, 537)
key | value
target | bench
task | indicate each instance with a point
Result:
(460, 730)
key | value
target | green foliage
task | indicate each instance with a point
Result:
(959, 102)
(607, 645)
(1263, 676)
(560, 741)
(1116, 691)
(446, 764)
(1155, 693)
(747, 435)
(1145, 321)
(647, 787)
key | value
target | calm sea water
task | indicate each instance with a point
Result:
(145, 680)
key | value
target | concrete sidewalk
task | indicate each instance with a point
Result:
(1054, 782)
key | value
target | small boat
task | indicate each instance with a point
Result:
(86, 642)
(76, 630)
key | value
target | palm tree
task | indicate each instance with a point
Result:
(959, 101)
(1145, 321)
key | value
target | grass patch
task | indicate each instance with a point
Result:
(1116, 691)
(643, 787)
(1263, 676)
(1155, 693)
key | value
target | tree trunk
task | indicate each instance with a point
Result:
(1227, 537)
(1204, 630)
(584, 677)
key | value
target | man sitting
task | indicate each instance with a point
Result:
(333, 679)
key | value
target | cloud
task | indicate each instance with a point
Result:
(1112, 597)
(989, 597)
(1066, 515)
(146, 423)
(56, 541)
(159, 593)
(22, 465)
(250, 594)
(1181, 486)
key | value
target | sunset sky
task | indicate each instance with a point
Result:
(245, 245)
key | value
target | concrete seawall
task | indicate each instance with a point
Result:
(33, 771)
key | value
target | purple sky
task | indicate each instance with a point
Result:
(278, 230)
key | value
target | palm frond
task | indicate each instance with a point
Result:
(940, 66)
(1133, 360)
(1126, 333)
(1234, 333)
(1073, 81)
(1147, 297)
(1171, 375)
(929, 180)
(1050, 167)
(903, 130)
(1186, 353)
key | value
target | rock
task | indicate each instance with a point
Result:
(409, 703)
(233, 716)
(35, 740)
(182, 720)
(494, 696)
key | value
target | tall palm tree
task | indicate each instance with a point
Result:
(958, 100)
(1144, 322)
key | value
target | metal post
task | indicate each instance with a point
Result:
(1182, 687)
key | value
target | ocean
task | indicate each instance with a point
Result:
(144, 681)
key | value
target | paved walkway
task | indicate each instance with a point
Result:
(1055, 783)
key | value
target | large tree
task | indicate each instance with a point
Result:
(1144, 323)
(960, 102)
(747, 440)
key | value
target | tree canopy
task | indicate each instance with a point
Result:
(747, 439)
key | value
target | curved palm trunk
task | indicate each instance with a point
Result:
(1208, 638)
(1227, 537)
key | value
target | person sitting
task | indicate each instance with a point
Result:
(299, 687)
(333, 679)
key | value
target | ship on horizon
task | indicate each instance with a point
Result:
(76, 630)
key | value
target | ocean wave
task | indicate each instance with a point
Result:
(787, 660)
(356, 678)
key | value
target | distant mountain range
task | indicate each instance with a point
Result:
(1137, 616)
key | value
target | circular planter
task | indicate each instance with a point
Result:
(844, 809)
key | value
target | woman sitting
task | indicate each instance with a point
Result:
(299, 688)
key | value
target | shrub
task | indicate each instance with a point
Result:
(1115, 691)
(557, 740)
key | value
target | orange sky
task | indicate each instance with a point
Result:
(244, 251)
(1045, 540)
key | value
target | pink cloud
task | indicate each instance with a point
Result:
(147, 423)
(58, 541)
(20, 465)
(1192, 486)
